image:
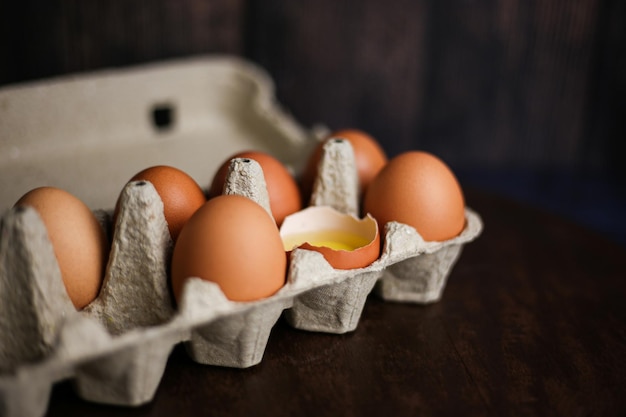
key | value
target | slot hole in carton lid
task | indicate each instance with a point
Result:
(163, 116)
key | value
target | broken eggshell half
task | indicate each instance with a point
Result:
(345, 241)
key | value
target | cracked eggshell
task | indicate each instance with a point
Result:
(79, 241)
(233, 242)
(345, 241)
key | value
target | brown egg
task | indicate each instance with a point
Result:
(181, 194)
(418, 189)
(345, 241)
(232, 242)
(79, 242)
(369, 156)
(282, 188)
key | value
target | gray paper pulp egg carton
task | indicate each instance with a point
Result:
(88, 135)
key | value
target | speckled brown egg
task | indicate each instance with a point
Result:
(180, 193)
(233, 242)
(418, 189)
(282, 188)
(79, 241)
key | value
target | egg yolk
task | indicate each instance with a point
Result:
(333, 239)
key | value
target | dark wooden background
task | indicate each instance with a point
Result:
(526, 98)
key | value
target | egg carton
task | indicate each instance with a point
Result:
(115, 350)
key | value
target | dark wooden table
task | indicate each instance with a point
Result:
(532, 322)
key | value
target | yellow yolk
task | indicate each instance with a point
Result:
(333, 239)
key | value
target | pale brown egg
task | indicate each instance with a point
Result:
(233, 242)
(180, 193)
(418, 189)
(370, 158)
(79, 241)
(345, 241)
(282, 188)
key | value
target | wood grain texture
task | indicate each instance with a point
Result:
(532, 323)
(495, 83)
(490, 84)
(344, 65)
(48, 38)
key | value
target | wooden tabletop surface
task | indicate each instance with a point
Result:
(532, 322)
